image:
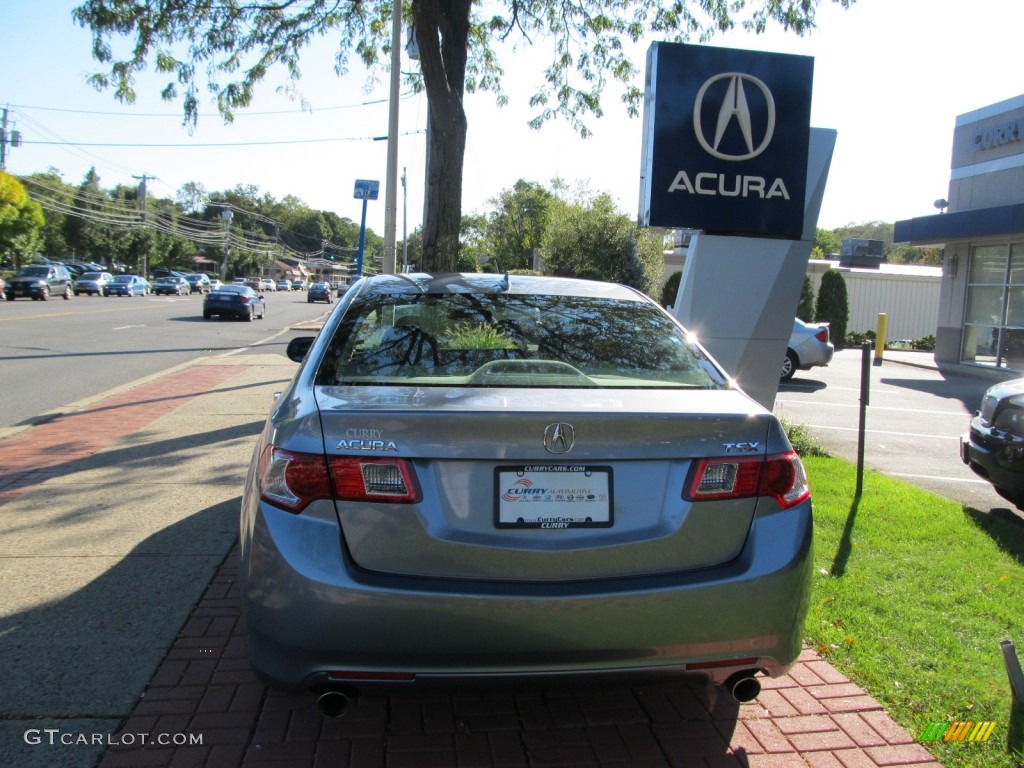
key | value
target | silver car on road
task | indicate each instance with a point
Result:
(477, 476)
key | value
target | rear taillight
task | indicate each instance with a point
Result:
(822, 335)
(780, 476)
(293, 480)
(357, 479)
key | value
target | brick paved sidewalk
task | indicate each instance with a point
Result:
(812, 717)
(204, 687)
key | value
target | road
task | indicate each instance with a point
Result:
(915, 417)
(58, 352)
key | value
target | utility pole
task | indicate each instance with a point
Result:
(390, 191)
(405, 215)
(13, 138)
(142, 204)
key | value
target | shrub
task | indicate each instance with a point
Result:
(803, 442)
(805, 309)
(833, 305)
(670, 289)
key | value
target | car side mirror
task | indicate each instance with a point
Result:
(298, 348)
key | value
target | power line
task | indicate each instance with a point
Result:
(216, 144)
(240, 113)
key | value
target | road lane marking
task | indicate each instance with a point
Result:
(883, 432)
(943, 478)
(958, 414)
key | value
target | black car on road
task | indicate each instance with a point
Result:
(319, 292)
(39, 281)
(238, 301)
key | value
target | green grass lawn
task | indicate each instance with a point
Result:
(912, 595)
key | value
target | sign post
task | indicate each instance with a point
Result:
(365, 190)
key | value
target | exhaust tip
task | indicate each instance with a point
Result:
(333, 704)
(743, 686)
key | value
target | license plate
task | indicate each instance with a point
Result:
(553, 497)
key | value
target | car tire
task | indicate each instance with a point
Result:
(789, 366)
(44, 295)
(249, 317)
(67, 294)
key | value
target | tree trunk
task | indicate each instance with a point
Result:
(442, 33)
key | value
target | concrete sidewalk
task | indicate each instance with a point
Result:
(119, 627)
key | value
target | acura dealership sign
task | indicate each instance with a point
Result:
(725, 140)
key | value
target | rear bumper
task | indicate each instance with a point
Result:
(1000, 460)
(309, 612)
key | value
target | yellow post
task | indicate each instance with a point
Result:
(883, 320)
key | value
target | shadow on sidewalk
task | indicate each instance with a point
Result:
(79, 663)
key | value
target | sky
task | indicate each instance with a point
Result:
(890, 76)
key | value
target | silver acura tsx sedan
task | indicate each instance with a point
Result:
(478, 476)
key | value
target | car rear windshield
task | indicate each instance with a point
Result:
(509, 340)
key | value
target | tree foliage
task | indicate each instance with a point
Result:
(517, 225)
(833, 305)
(826, 244)
(590, 237)
(89, 223)
(21, 221)
(232, 47)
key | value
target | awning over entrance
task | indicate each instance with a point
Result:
(937, 229)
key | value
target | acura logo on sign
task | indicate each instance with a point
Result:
(734, 106)
(559, 437)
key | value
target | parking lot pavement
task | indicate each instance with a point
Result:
(121, 644)
(915, 417)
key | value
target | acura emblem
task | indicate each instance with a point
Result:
(559, 437)
(734, 106)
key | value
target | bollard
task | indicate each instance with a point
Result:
(883, 321)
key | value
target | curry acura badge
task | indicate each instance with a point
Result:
(734, 106)
(559, 437)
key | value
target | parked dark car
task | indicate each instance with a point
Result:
(198, 282)
(485, 477)
(178, 286)
(238, 301)
(319, 292)
(39, 282)
(127, 285)
(994, 444)
(165, 272)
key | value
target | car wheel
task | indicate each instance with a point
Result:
(67, 294)
(44, 295)
(789, 366)
(249, 317)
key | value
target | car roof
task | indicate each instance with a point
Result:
(479, 283)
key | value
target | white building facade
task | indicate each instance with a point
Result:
(981, 306)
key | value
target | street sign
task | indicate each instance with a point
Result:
(366, 189)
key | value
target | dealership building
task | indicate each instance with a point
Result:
(981, 232)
